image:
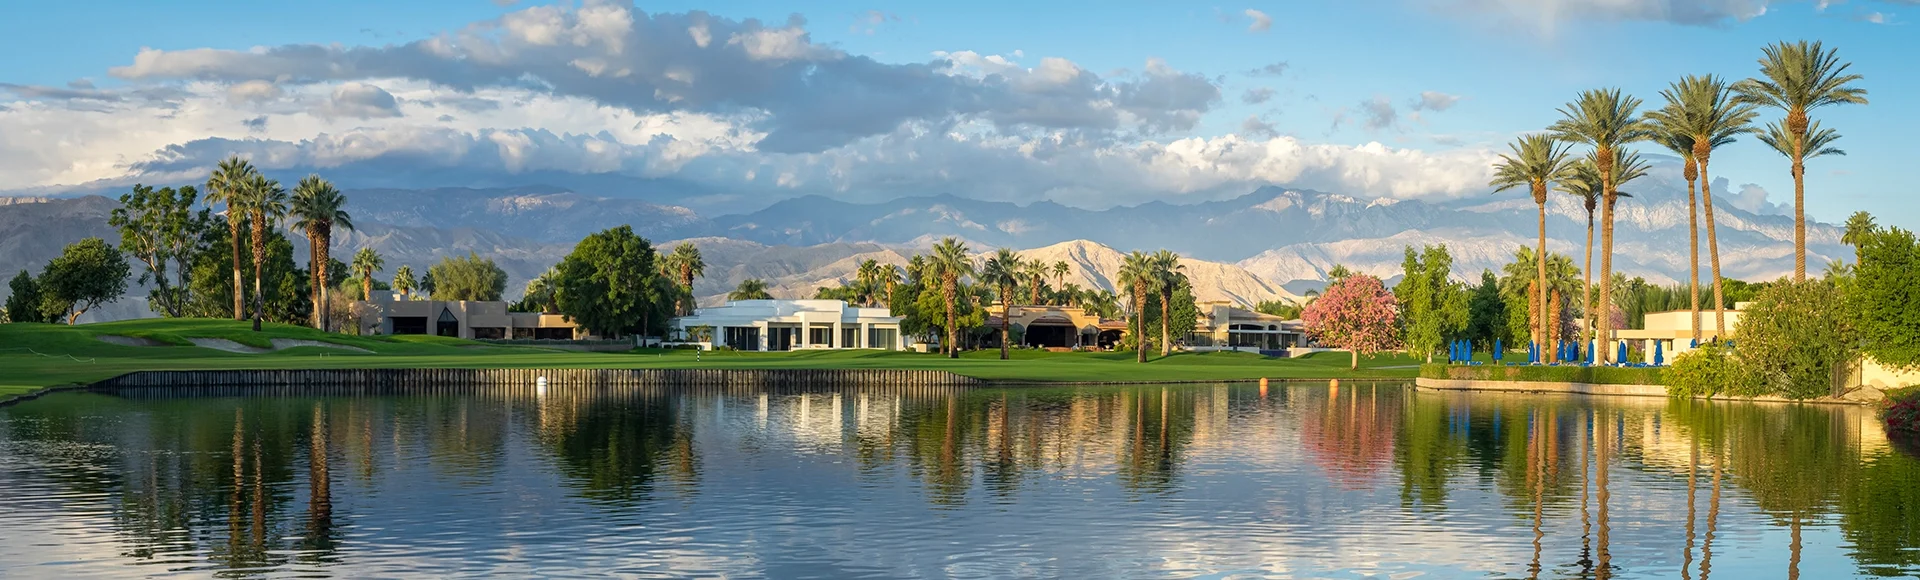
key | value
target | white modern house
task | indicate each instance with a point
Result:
(776, 325)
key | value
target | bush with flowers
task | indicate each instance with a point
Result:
(1901, 410)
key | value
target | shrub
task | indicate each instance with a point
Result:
(1901, 410)
(1796, 339)
(1709, 370)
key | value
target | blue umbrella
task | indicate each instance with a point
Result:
(1590, 347)
(1496, 350)
(1623, 353)
(1659, 353)
(1533, 352)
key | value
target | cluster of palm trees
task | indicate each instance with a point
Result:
(1702, 113)
(316, 208)
(1156, 273)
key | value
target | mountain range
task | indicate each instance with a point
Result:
(1272, 243)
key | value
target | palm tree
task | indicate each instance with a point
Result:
(317, 207)
(1799, 77)
(264, 201)
(541, 289)
(890, 277)
(1859, 226)
(1706, 110)
(1101, 302)
(366, 263)
(1799, 147)
(750, 289)
(1168, 276)
(405, 283)
(1002, 271)
(950, 263)
(684, 264)
(1680, 142)
(227, 185)
(1060, 271)
(1536, 161)
(1518, 278)
(1585, 184)
(868, 277)
(1136, 273)
(1604, 119)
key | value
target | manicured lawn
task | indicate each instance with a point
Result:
(33, 356)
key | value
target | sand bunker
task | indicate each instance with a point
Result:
(278, 344)
(129, 340)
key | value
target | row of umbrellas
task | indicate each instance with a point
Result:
(1462, 351)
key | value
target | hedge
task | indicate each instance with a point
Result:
(1596, 375)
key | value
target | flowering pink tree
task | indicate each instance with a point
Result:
(1357, 314)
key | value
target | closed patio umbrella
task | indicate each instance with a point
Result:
(1622, 359)
(1496, 351)
(1659, 353)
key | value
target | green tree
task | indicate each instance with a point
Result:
(606, 283)
(540, 293)
(1883, 299)
(1137, 275)
(317, 207)
(23, 304)
(265, 202)
(228, 185)
(1607, 120)
(1173, 310)
(1798, 338)
(87, 273)
(1002, 271)
(1859, 226)
(1487, 313)
(1536, 162)
(404, 282)
(367, 263)
(1797, 78)
(1432, 308)
(1517, 286)
(1280, 308)
(750, 289)
(950, 264)
(1168, 275)
(684, 264)
(468, 278)
(160, 229)
(1707, 111)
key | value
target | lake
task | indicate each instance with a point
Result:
(1211, 481)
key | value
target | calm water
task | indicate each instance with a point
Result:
(1362, 481)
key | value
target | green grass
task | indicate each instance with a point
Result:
(1561, 374)
(34, 356)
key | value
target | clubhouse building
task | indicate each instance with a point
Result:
(471, 319)
(1058, 327)
(780, 325)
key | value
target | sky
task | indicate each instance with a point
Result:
(739, 104)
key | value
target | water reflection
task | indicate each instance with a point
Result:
(1311, 481)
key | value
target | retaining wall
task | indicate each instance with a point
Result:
(554, 377)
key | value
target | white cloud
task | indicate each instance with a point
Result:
(1261, 22)
(1257, 95)
(1433, 101)
(361, 100)
(1751, 197)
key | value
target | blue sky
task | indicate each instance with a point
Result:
(1354, 73)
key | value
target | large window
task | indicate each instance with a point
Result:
(884, 338)
(409, 324)
(743, 338)
(820, 336)
(489, 333)
(448, 325)
(850, 337)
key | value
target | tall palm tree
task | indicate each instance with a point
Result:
(226, 185)
(1535, 161)
(317, 207)
(1814, 142)
(950, 264)
(1796, 78)
(366, 263)
(1586, 184)
(541, 289)
(1002, 271)
(868, 276)
(1707, 111)
(1168, 275)
(682, 265)
(404, 282)
(1859, 226)
(1136, 274)
(750, 289)
(265, 202)
(1605, 119)
(1675, 138)
(1060, 271)
(1519, 278)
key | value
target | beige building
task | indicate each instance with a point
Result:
(1672, 331)
(1223, 326)
(1059, 326)
(461, 319)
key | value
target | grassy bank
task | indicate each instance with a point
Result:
(1559, 374)
(33, 356)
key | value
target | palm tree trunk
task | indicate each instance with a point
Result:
(1713, 255)
(1586, 289)
(1140, 322)
(1606, 276)
(1006, 319)
(259, 265)
(326, 290)
(313, 277)
(953, 334)
(1693, 256)
(239, 288)
(1540, 265)
(1166, 336)
(1799, 219)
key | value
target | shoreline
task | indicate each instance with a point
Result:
(1603, 390)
